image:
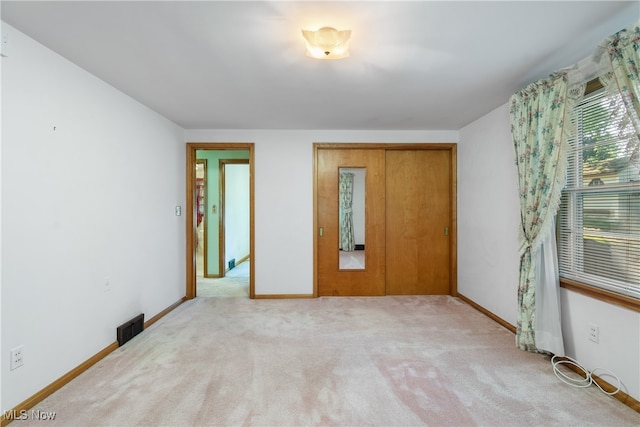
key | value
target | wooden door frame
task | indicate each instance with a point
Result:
(191, 212)
(451, 147)
(222, 235)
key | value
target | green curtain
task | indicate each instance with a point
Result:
(624, 52)
(537, 115)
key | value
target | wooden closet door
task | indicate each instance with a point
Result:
(331, 280)
(418, 214)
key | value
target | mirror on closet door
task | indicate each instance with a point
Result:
(351, 205)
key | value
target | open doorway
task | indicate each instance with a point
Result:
(220, 219)
(229, 203)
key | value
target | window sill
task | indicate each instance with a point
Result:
(601, 294)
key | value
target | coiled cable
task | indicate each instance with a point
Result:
(588, 376)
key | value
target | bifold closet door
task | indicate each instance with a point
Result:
(418, 214)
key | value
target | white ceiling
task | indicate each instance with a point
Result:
(241, 65)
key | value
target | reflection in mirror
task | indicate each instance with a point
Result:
(352, 215)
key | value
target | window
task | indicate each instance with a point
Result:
(599, 216)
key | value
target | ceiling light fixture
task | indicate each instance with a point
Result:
(327, 43)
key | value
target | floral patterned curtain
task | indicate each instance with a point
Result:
(347, 242)
(537, 116)
(624, 53)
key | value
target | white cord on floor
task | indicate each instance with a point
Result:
(581, 382)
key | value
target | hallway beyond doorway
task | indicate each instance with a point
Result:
(213, 255)
(235, 283)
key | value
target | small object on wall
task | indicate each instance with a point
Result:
(232, 263)
(178, 210)
(214, 209)
(17, 359)
(594, 333)
(4, 41)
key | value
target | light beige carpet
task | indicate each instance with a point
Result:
(378, 361)
(234, 284)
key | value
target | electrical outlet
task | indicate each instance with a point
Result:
(16, 357)
(4, 42)
(594, 333)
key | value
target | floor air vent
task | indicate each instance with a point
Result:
(130, 329)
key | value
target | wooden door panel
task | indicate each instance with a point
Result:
(332, 280)
(418, 209)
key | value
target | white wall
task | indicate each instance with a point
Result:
(90, 180)
(488, 262)
(618, 349)
(237, 209)
(284, 196)
(488, 215)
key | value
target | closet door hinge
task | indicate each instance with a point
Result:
(446, 231)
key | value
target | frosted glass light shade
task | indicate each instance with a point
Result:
(327, 43)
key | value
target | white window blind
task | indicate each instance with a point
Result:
(599, 216)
